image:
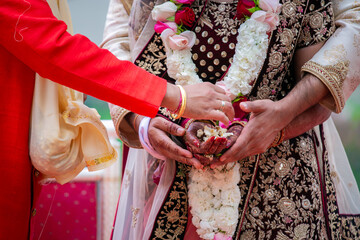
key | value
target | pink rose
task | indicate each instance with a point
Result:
(189, 2)
(272, 19)
(163, 11)
(184, 40)
(161, 26)
(185, 16)
(270, 6)
(221, 236)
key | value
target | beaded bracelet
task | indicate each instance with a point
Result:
(177, 115)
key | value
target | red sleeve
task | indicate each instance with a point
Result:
(31, 33)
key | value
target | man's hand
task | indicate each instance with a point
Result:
(158, 131)
(266, 120)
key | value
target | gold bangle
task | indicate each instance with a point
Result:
(188, 124)
(134, 121)
(279, 138)
(183, 104)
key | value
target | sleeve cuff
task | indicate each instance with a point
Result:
(333, 77)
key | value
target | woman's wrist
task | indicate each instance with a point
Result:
(172, 97)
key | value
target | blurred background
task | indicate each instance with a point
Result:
(92, 197)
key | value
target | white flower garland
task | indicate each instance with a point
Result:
(214, 198)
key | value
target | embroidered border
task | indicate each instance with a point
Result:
(341, 226)
(332, 76)
(172, 218)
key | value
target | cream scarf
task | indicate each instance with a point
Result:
(66, 135)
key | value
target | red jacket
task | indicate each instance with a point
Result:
(33, 40)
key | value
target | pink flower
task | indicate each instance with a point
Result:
(221, 236)
(163, 11)
(272, 19)
(161, 26)
(184, 40)
(185, 1)
(270, 6)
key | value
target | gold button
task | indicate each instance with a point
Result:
(223, 54)
(209, 54)
(203, 75)
(223, 68)
(225, 39)
(202, 48)
(204, 34)
(202, 63)
(233, 31)
(197, 29)
(232, 45)
(210, 40)
(197, 41)
(195, 56)
(217, 47)
(216, 61)
(218, 74)
(210, 68)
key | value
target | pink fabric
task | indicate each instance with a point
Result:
(66, 211)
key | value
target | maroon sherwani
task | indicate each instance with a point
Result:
(33, 40)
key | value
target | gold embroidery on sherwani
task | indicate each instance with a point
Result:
(299, 27)
(332, 76)
(172, 217)
(153, 58)
(286, 195)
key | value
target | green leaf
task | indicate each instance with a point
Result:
(252, 10)
(171, 19)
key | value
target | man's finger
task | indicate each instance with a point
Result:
(254, 106)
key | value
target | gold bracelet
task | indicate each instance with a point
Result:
(279, 138)
(187, 125)
(183, 104)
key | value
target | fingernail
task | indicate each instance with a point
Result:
(223, 159)
(243, 105)
(180, 131)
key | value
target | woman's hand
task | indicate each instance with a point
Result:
(158, 132)
(204, 101)
(206, 151)
(235, 129)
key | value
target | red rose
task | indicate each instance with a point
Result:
(243, 7)
(185, 16)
